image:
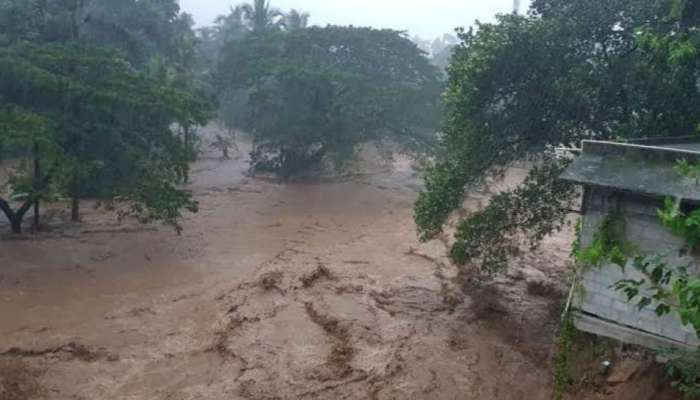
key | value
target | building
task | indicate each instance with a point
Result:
(632, 179)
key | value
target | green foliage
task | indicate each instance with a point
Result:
(139, 30)
(159, 200)
(576, 244)
(256, 17)
(683, 367)
(653, 287)
(108, 81)
(444, 192)
(609, 244)
(316, 93)
(27, 132)
(109, 123)
(692, 171)
(567, 71)
(294, 20)
(531, 211)
(681, 224)
(672, 289)
(667, 288)
(687, 292)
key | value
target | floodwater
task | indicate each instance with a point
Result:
(273, 291)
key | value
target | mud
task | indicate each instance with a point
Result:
(274, 291)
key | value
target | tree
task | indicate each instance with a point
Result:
(261, 17)
(227, 28)
(568, 71)
(140, 30)
(105, 122)
(439, 50)
(73, 43)
(294, 20)
(316, 93)
(22, 130)
(222, 144)
(253, 18)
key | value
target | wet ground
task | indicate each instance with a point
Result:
(273, 291)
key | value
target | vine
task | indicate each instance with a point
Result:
(667, 288)
(608, 244)
(692, 171)
(561, 372)
(576, 244)
(673, 289)
(562, 364)
(680, 223)
(657, 276)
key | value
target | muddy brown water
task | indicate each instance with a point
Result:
(299, 291)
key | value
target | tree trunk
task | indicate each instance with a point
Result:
(75, 201)
(15, 217)
(37, 216)
(186, 129)
(75, 208)
(16, 225)
(37, 178)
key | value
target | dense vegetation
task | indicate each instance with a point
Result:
(91, 92)
(569, 70)
(309, 95)
(101, 99)
(439, 49)
(664, 285)
(316, 93)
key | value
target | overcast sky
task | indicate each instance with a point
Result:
(426, 18)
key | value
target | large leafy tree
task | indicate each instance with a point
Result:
(226, 28)
(569, 70)
(92, 89)
(102, 120)
(28, 135)
(243, 20)
(258, 17)
(316, 93)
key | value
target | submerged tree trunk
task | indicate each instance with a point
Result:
(16, 226)
(75, 209)
(37, 177)
(15, 217)
(189, 151)
(186, 130)
(37, 216)
(75, 198)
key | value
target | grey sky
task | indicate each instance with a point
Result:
(426, 18)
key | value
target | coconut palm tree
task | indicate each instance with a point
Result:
(230, 27)
(260, 16)
(295, 19)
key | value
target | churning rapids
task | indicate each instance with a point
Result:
(273, 291)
